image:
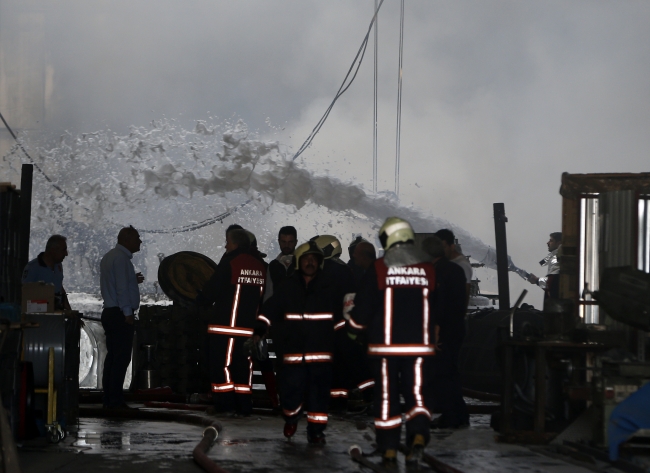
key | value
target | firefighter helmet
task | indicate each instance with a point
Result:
(252, 238)
(395, 230)
(309, 248)
(330, 245)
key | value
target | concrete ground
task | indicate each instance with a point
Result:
(256, 444)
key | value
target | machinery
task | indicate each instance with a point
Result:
(52, 348)
(585, 352)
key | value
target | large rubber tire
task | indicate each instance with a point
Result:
(182, 275)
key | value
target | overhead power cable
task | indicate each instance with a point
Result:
(358, 59)
(195, 226)
(185, 228)
(352, 71)
(38, 168)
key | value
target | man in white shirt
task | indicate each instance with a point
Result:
(119, 286)
(551, 282)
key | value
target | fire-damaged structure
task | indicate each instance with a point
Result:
(563, 370)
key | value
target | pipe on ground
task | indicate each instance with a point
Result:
(199, 454)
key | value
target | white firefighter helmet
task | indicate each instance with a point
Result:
(330, 245)
(309, 248)
(395, 230)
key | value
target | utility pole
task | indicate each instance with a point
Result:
(503, 280)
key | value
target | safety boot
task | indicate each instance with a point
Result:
(316, 439)
(416, 451)
(290, 429)
(389, 458)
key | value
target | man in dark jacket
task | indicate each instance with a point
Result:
(395, 307)
(362, 257)
(302, 314)
(236, 289)
(450, 306)
(283, 265)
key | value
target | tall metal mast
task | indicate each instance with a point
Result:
(399, 99)
(374, 116)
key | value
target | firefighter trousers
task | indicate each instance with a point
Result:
(306, 386)
(395, 376)
(350, 368)
(231, 373)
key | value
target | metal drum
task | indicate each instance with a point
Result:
(61, 333)
(88, 357)
(92, 348)
(37, 342)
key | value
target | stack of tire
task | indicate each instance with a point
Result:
(178, 332)
(178, 336)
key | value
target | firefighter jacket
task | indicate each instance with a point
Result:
(395, 304)
(236, 289)
(340, 272)
(344, 278)
(302, 318)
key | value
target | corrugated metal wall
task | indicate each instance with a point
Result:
(618, 228)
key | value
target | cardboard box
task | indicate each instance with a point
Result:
(37, 297)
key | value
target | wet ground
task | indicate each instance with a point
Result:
(256, 444)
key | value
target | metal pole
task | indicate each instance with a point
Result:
(50, 387)
(374, 116)
(514, 309)
(500, 220)
(399, 99)
(25, 219)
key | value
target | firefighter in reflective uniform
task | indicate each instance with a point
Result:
(236, 289)
(394, 307)
(302, 314)
(350, 368)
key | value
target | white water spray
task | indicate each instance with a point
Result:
(164, 177)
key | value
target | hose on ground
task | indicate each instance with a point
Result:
(437, 465)
(356, 453)
(210, 435)
(140, 414)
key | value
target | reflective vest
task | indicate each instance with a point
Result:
(238, 286)
(303, 318)
(395, 307)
